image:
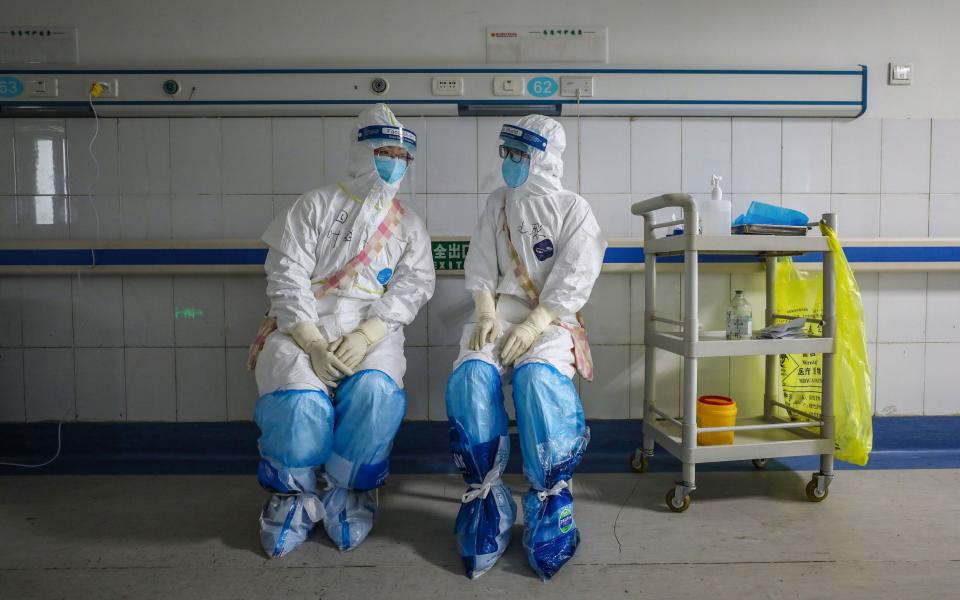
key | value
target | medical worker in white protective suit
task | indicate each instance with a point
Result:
(348, 267)
(532, 263)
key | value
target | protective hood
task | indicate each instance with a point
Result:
(365, 181)
(546, 167)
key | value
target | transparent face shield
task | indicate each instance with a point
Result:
(393, 152)
(512, 159)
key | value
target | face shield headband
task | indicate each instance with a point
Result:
(512, 133)
(378, 136)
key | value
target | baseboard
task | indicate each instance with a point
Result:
(420, 447)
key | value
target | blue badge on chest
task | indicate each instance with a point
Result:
(543, 249)
(384, 275)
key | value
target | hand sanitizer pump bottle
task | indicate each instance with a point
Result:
(715, 212)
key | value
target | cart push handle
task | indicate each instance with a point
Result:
(685, 202)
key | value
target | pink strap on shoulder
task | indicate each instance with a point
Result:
(377, 242)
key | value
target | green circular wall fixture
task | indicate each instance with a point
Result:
(171, 87)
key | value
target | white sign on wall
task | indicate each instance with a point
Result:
(533, 44)
(38, 45)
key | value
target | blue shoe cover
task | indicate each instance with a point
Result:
(286, 520)
(553, 437)
(550, 535)
(485, 521)
(480, 446)
(350, 515)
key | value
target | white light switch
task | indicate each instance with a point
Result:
(899, 74)
(508, 86)
(47, 87)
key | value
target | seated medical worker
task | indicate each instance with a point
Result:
(533, 260)
(348, 267)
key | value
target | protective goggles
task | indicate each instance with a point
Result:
(512, 133)
(378, 136)
(515, 154)
(393, 152)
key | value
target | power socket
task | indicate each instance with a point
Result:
(447, 86)
(111, 88)
(47, 87)
(570, 85)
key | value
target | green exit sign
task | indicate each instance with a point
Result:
(449, 255)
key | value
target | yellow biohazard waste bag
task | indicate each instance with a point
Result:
(800, 294)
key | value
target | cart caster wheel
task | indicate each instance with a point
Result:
(672, 506)
(760, 463)
(813, 495)
(639, 464)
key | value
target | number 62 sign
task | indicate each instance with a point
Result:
(541, 87)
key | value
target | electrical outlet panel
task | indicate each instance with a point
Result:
(447, 86)
(43, 87)
(570, 85)
(111, 88)
(899, 73)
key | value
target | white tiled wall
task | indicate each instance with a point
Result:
(170, 348)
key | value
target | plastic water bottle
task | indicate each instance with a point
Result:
(739, 318)
(715, 212)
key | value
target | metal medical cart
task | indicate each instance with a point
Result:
(757, 438)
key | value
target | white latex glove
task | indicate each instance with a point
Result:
(487, 328)
(328, 367)
(351, 348)
(522, 336)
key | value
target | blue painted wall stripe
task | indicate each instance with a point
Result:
(420, 447)
(256, 256)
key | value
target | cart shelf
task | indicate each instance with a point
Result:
(747, 445)
(737, 244)
(716, 346)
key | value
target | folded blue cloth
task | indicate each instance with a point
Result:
(761, 213)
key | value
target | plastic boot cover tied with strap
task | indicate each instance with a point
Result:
(480, 445)
(369, 407)
(288, 518)
(553, 437)
(296, 435)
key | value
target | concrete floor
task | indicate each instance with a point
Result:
(880, 534)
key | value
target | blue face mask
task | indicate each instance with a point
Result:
(391, 170)
(515, 174)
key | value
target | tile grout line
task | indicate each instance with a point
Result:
(930, 181)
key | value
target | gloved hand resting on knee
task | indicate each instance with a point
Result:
(353, 347)
(325, 364)
(487, 329)
(522, 336)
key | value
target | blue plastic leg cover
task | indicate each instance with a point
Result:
(481, 446)
(296, 432)
(369, 407)
(553, 436)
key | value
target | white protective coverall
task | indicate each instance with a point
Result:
(305, 426)
(561, 247)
